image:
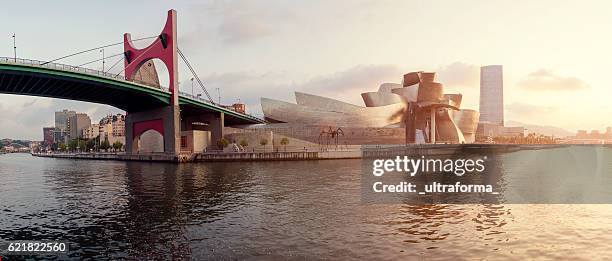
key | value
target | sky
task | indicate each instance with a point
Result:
(556, 55)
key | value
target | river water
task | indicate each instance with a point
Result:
(271, 210)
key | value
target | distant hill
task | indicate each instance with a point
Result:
(15, 143)
(542, 129)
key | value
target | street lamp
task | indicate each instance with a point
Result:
(192, 86)
(102, 51)
(15, 47)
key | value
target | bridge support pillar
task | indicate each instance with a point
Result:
(212, 122)
(216, 127)
(156, 130)
(174, 126)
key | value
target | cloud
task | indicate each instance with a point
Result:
(544, 80)
(349, 84)
(344, 85)
(247, 87)
(240, 21)
(244, 28)
(23, 117)
(459, 74)
(30, 103)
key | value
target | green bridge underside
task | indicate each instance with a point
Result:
(71, 85)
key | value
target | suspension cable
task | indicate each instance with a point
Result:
(130, 64)
(93, 49)
(97, 60)
(115, 64)
(195, 75)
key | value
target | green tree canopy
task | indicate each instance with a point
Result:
(284, 141)
(105, 144)
(91, 144)
(82, 145)
(244, 143)
(263, 142)
(222, 143)
(72, 145)
(117, 145)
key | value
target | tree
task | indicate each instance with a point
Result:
(284, 141)
(222, 143)
(91, 143)
(73, 144)
(62, 147)
(263, 142)
(117, 145)
(105, 144)
(82, 145)
(244, 143)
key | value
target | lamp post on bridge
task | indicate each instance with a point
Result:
(219, 93)
(102, 51)
(15, 47)
(192, 94)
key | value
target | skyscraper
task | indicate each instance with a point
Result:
(61, 125)
(492, 94)
(76, 124)
(48, 135)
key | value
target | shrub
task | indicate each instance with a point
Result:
(222, 143)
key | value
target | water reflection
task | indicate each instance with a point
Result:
(426, 183)
(271, 210)
(567, 175)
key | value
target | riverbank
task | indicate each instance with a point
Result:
(152, 157)
(210, 156)
(366, 151)
(278, 156)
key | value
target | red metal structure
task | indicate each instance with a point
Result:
(164, 48)
(167, 120)
(141, 127)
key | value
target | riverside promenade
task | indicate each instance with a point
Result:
(211, 156)
(153, 157)
(366, 151)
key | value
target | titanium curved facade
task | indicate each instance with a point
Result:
(467, 121)
(280, 111)
(352, 135)
(324, 103)
(447, 130)
(429, 112)
(409, 94)
(384, 95)
(417, 110)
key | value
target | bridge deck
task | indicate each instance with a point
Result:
(39, 78)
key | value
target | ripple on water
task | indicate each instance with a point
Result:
(282, 210)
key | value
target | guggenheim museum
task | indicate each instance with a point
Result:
(415, 111)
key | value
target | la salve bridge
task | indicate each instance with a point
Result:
(154, 114)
